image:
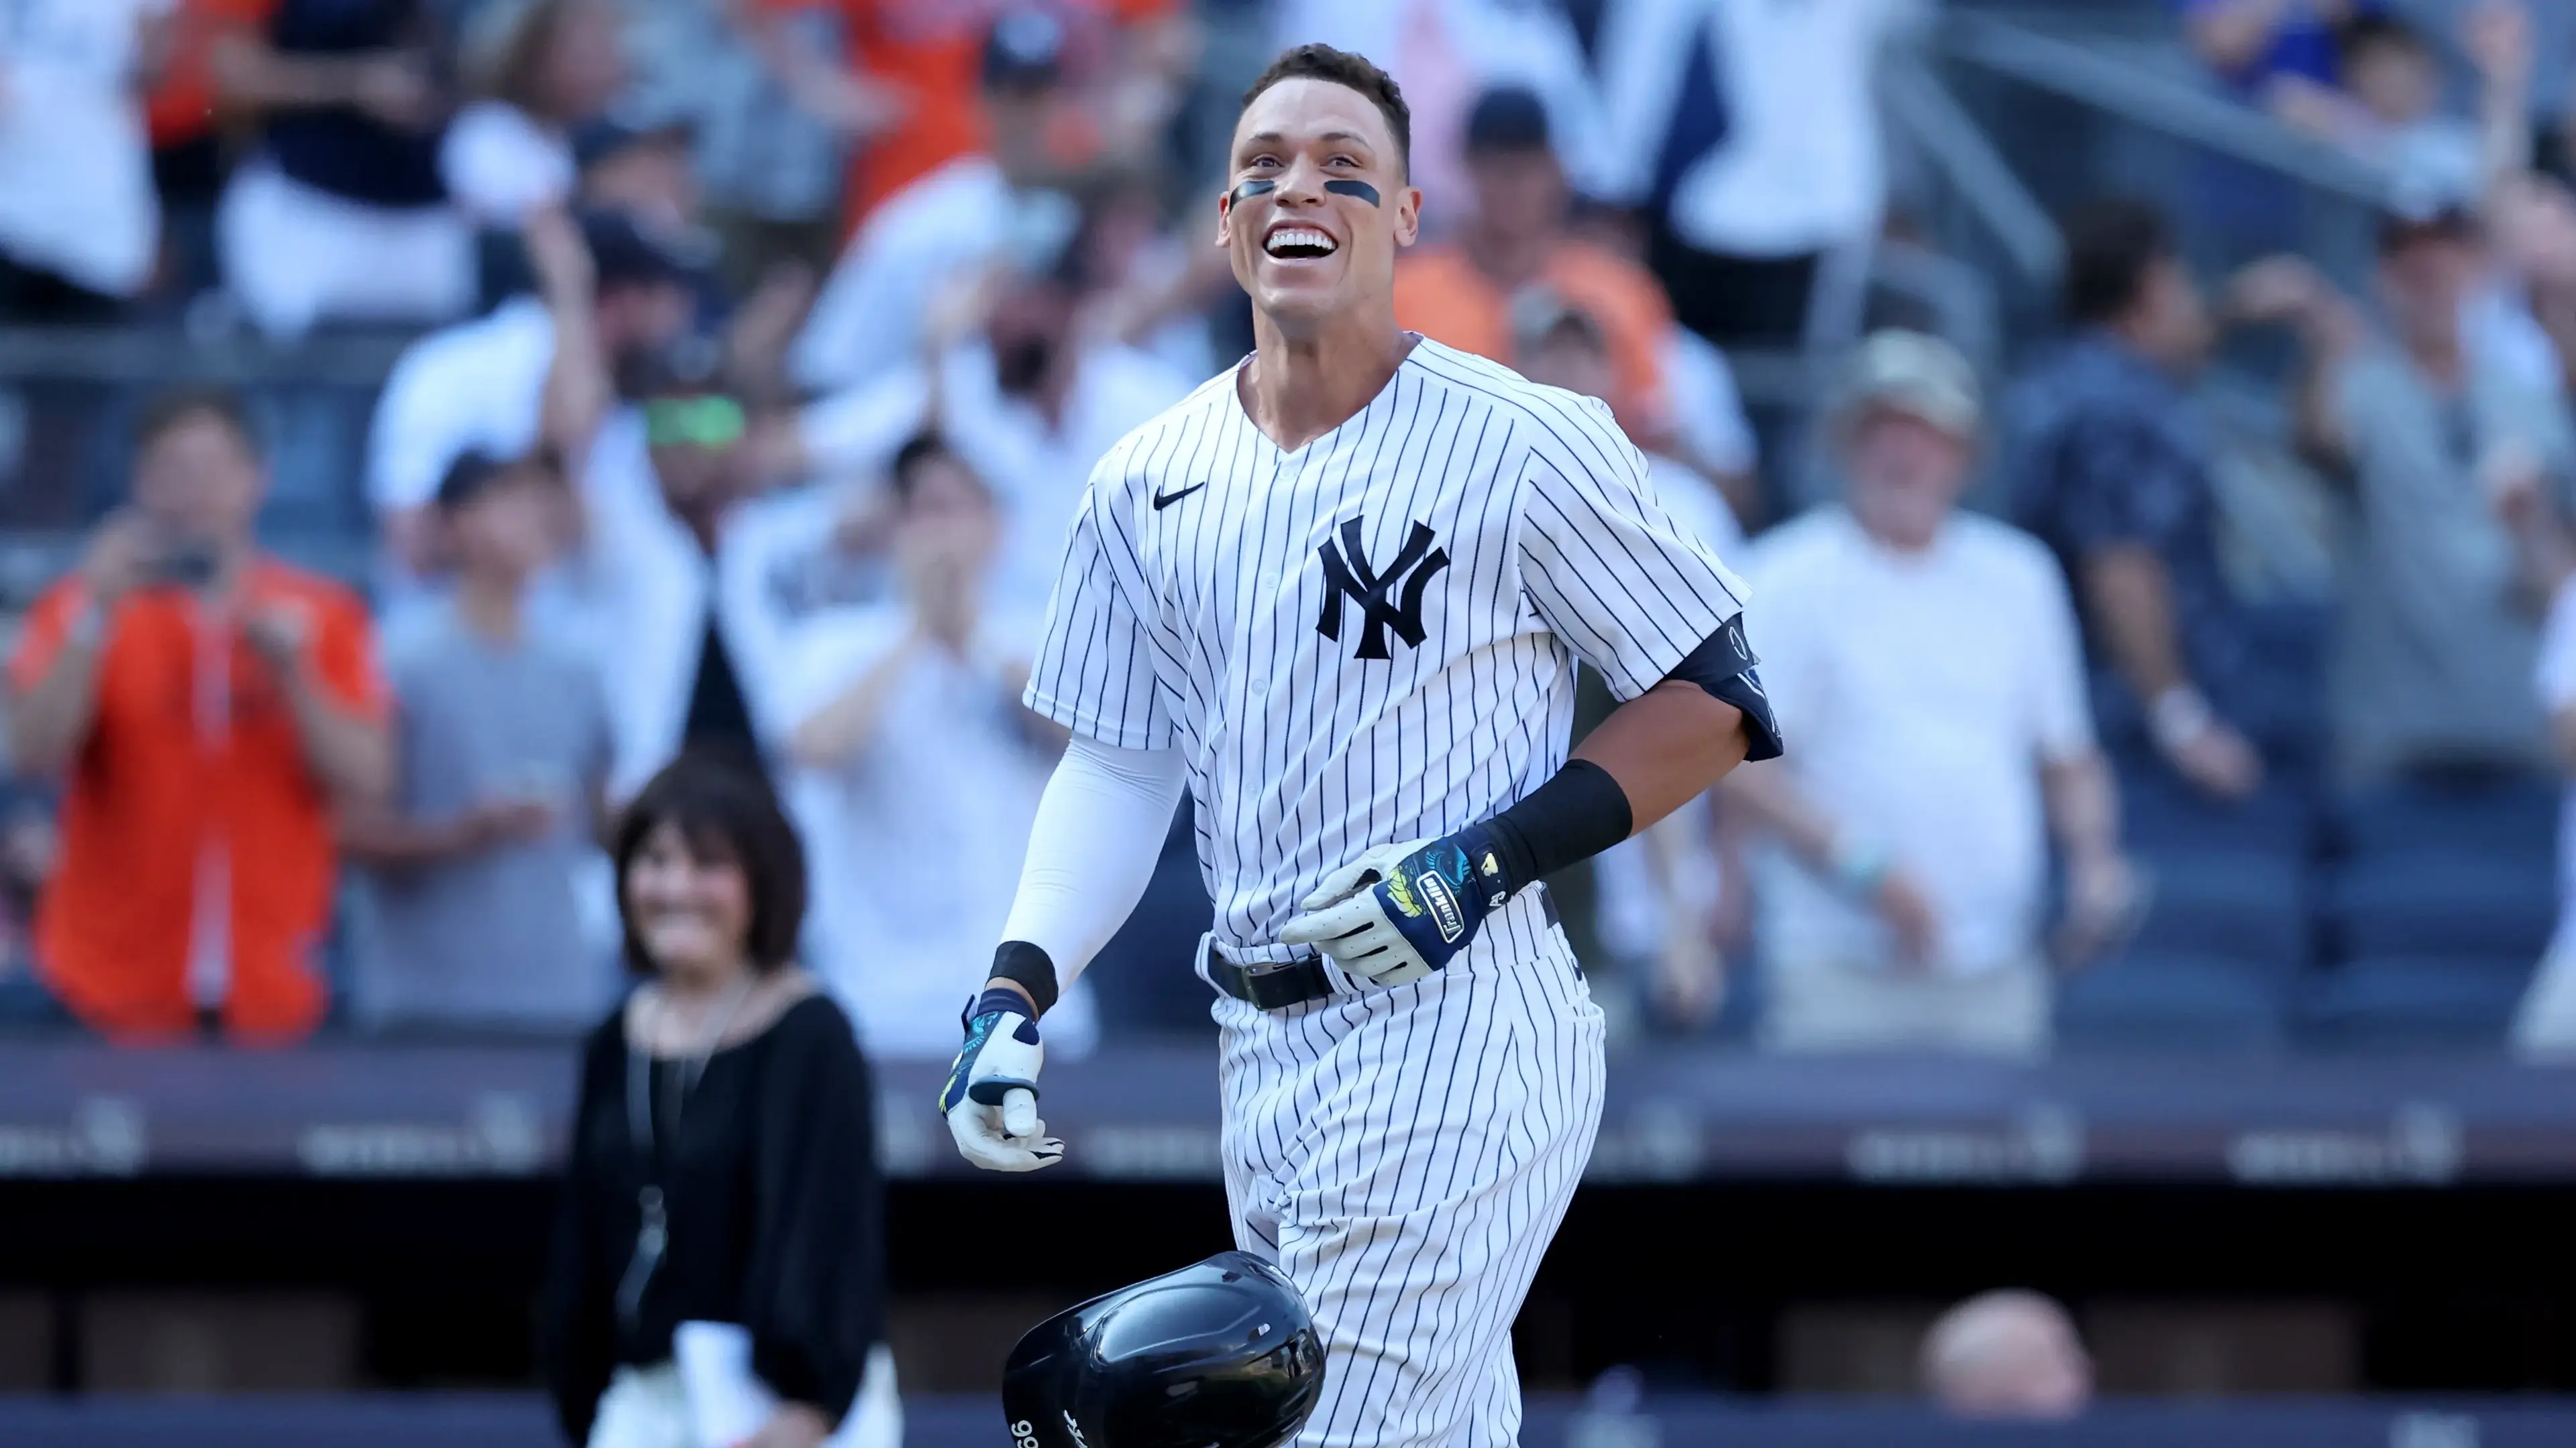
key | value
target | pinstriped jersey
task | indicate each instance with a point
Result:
(1369, 639)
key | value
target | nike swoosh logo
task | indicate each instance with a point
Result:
(1165, 500)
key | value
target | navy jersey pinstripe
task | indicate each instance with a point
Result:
(1365, 640)
(1195, 624)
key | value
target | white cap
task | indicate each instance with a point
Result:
(1916, 374)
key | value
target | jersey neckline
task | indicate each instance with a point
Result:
(1234, 400)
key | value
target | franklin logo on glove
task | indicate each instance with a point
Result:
(1400, 912)
(1444, 908)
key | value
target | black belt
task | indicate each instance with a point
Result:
(1277, 986)
(1271, 987)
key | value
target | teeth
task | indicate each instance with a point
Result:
(1295, 237)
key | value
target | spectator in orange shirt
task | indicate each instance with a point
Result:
(1460, 293)
(209, 707)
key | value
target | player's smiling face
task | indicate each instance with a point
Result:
(1318, 203)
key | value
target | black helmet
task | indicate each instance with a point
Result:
(1222, 1354)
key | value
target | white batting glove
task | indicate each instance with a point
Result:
(1399, 912)
(991, 1098)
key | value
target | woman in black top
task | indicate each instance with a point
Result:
(723, 1162)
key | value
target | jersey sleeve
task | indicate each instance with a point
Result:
(1094, 672)
(1609, 571)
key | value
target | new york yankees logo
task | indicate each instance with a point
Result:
(1347, 572)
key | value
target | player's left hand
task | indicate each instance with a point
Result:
(1400, 912)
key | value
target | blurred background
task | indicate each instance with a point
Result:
(2133, 1004)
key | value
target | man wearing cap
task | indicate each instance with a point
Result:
(1672, 393)
(1460, 292)
(1928, 661)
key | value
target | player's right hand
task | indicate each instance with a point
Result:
(991, 1099)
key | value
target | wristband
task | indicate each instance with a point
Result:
(1574, 816)
(1859, 867)
(2178, 716)
(993, 1001)
(1028, 967)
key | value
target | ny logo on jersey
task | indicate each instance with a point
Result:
(1347, 573)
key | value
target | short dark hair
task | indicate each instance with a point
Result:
(1355, 72)
(726, 811)
(475, 472)
(2448, 222)
(924, 448)
(171, 409)
(1508, 120)
(2364, 33)
(2110, 247)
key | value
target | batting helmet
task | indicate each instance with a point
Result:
(1222, 1354)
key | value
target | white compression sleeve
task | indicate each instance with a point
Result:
(1099, 830)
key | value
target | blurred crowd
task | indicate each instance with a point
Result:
(761, 349)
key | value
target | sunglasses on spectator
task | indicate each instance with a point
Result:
(693, 422)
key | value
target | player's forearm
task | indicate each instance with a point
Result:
(1666, 747)
(1092, 849)
(1654, 754)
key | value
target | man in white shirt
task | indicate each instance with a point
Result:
(1758, 183)
(79, 223)
(1926, 661)
(916, 774)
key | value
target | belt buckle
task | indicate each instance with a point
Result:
(1276, 985)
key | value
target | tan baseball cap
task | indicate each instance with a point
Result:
(1916, 374)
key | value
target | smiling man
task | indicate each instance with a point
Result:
(1339, 592)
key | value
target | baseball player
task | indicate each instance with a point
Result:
(1339, 593)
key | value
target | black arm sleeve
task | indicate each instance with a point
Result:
(814, 1292)
(577, 1337)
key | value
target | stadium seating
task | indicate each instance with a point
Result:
(2508, 816)
(2170, 1000)
(2442, 905)
(2415, 1001)
(2250, 910)
(2163, 816)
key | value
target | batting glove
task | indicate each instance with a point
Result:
(991, 1099)
(1400, 912)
